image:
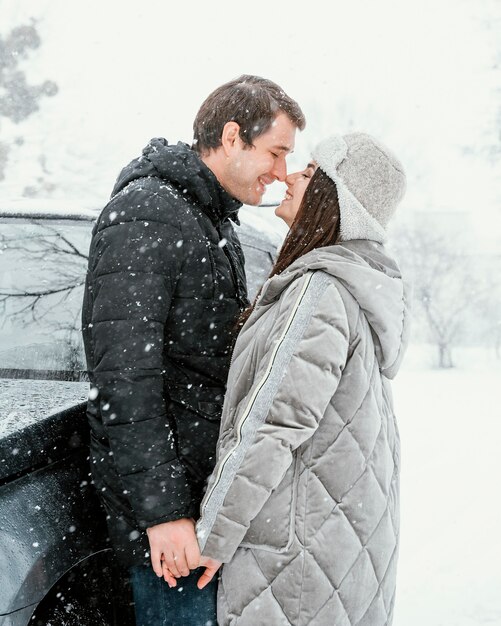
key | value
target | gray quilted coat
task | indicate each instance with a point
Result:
(302, 506)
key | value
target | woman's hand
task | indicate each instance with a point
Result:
(211, 567)
(168, 576)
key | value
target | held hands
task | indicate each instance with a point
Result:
(174, 549)
(174, 552)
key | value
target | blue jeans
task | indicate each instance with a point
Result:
(156, 604)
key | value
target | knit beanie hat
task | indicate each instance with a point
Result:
(370, 183)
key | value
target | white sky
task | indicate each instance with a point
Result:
(417, 74)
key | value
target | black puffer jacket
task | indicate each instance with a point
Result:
(164, 287)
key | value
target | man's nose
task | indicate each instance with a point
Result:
(279, 170)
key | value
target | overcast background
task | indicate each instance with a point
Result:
(423, 76)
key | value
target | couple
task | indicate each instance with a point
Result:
(292, 484)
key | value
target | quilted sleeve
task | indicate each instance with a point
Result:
(134, 265)
(281, 411)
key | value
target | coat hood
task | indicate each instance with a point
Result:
(374, 280)
(181, 166)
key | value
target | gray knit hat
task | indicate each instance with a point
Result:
(370, 183)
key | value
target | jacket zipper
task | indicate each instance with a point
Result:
(241, 300)
(256, 391)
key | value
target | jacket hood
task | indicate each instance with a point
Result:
(182, 167)
(374, 280)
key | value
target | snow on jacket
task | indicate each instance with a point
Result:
(164, 287)
(302, 506)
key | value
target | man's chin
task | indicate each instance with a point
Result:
(253, 200)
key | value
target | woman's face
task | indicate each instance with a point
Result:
(296, 186)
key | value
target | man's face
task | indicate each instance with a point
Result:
(250, 168)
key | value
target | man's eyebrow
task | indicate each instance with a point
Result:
(310, 166)
(284, 149)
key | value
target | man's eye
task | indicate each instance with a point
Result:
(306, 175)
(275, 155)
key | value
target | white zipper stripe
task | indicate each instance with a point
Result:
(258, 389)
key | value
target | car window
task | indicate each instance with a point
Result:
(258, 264)
(42, 272)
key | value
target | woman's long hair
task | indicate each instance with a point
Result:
(316, 225)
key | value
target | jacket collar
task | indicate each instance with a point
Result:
(181, 166)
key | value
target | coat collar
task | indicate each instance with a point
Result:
(181, 166)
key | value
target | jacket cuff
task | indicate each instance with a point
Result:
(221, 544)
(187, 512)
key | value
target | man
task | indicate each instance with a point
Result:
(164, 288)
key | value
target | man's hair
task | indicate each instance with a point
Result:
(250, 101)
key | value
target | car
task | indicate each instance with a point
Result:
(56, 565)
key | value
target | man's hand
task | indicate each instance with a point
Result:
(174, 549)
(211, 567)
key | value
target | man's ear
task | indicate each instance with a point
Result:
(230, 137)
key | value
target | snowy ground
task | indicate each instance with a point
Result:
(450, 427)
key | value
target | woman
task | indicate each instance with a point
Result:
(302, 506)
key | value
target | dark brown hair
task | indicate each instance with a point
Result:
(316, 225)
(250, 101)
